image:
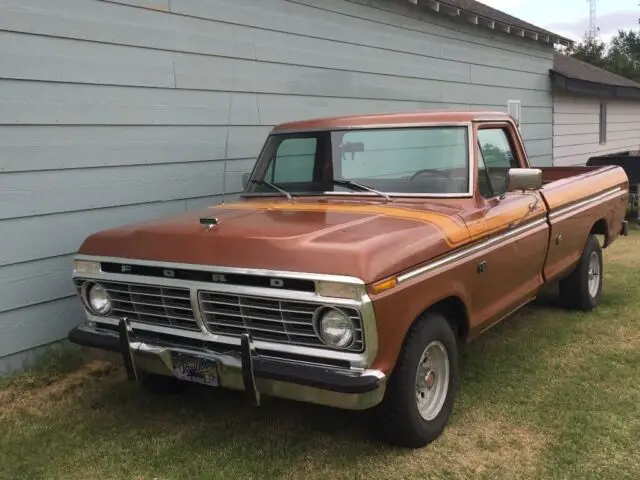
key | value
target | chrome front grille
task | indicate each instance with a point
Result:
(166, 306)
(267, 319)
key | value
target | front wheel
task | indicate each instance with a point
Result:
(581, 290)
(420, 393)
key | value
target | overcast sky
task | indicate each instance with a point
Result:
(570, 18)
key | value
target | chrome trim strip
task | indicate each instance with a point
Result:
(197, 313)
(318, 277)
(369, 332)
(494, 120)
(613, 193)
(470, 250)
(394, 195)
(220, 287)
(373, 373)
(278, 129)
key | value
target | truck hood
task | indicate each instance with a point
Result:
(365, 240)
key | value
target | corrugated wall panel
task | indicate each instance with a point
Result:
(36, 325)
(52, 103)
(38, 281)
(32, 238)
(29, 148)
(34, 57)
(58, 191)
(152, 4)
(121, 110)
(226, 29)
(537, 131)
(576, 131)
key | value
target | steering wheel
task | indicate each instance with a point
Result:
(438, 173)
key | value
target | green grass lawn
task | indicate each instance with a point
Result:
(545, 394)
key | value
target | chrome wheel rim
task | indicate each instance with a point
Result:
(432, 380)
(593, 274)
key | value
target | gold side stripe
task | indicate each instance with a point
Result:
(470, 250)
(608, 195)
(455, 232)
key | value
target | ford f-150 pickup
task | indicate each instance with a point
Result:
(363, 252)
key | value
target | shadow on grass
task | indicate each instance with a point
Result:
(53, 363)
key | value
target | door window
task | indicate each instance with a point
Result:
(496, 158)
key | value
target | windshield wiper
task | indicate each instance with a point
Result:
(269, 184)
(357, 186)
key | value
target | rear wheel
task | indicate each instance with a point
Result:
(420, 393)
(582, 289)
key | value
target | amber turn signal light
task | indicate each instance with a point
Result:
(384, 285)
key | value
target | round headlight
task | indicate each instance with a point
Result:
(98, 298)
(335, 328)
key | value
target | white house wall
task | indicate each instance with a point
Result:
(114, 112)
(576, 128)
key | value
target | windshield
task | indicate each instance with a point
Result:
(394, 161)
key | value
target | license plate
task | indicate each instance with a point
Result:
(195, 369)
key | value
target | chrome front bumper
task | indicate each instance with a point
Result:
(244, 370)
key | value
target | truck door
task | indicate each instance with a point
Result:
(512, 226)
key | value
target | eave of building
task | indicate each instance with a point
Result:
(446, 9)
(580, 86)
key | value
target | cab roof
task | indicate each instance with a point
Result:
(392, 119)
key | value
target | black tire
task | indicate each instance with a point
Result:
(574, 289)
(399, 421)
(161, 384)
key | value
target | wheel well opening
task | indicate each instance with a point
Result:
(600, 228)
(455, 311)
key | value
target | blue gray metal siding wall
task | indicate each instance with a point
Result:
(118, 111)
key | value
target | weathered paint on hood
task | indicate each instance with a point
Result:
(367, 240)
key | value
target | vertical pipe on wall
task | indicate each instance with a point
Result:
(226, 151)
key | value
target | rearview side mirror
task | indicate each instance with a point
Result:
(245, 179)
(524, 179)
(352, 148)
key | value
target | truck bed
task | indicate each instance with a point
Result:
(629, 161)
(552, 174)
(574, 196)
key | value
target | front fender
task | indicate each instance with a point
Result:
(398, 308)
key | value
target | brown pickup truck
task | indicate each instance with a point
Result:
(362, 253)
